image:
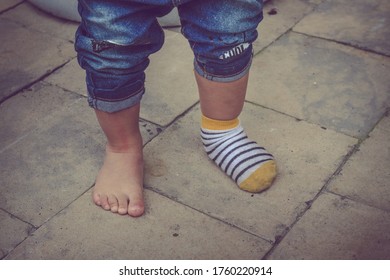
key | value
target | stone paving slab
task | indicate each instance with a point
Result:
(13, 231)
(279, 17)
(170, 83)
(307, 156)
(337, 228)
(333, 85)
(54, 164)
(6, 4)
(168, 230)
(24, 112)
(27, 55)
(50, 168)
(37, 20)
(361, 23)
(366, 175)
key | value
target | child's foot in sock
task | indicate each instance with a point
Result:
(119, 184)
(248, 164)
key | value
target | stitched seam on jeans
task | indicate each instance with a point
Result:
(120, 99)
(203, 69)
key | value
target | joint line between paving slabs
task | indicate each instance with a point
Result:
(183, 114)
(162, 128)
(18, 218)
(208, 215)
(351, 45)
(30, 131)
(12, 7)
(279, 238)
(40, 79)
(35, 228)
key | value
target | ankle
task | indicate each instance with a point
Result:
(131, 146)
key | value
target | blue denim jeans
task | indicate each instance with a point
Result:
(116, 37)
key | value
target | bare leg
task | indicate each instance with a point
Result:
(221, 101)
(119, 184)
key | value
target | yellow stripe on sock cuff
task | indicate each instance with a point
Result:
(219, 125)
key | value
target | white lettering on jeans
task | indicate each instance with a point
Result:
(234, 51)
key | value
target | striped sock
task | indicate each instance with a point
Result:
(243, 160)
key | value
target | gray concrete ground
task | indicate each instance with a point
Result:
(318, 99)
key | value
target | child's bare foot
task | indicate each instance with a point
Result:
(119, 184)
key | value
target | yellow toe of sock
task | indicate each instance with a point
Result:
(261, 179)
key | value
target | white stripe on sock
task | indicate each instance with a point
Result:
(233, 152)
